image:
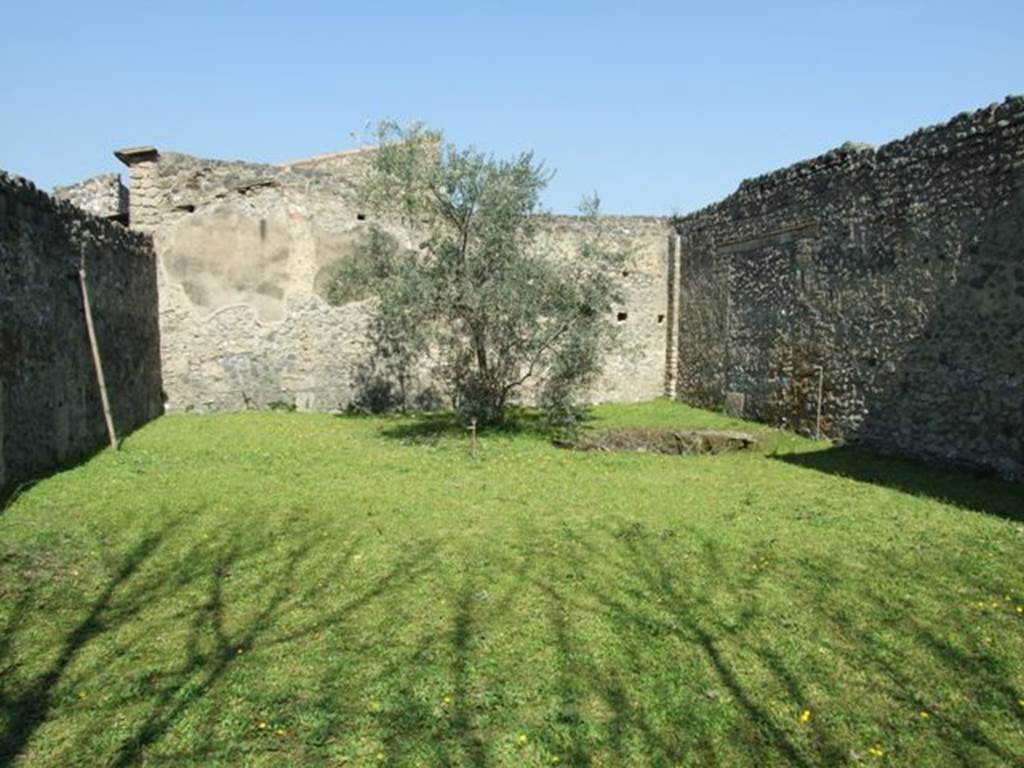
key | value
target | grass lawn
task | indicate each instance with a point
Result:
(274, 589)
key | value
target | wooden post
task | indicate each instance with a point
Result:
(817, 421)
(472, 437)
(97, 363)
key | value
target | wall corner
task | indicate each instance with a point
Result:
(142, 204)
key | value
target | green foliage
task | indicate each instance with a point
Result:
(287, 406)
(294, 589)
(482, 301)
(352, 278)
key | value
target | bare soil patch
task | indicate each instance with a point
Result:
(676, 442)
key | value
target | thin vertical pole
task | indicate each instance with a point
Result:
(94, 348)
(673, 259)
(821, 381)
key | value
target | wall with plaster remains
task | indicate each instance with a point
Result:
(894, 276)
(898, 270)
(636, 371)
(243, 250)
(50, 411)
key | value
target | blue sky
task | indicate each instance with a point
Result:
(659, 107)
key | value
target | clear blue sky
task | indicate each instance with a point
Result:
(660, 107)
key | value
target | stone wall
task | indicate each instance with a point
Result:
(103, 196)
(636, 371)
(242, 251)
(891, 277)
(50, 411)
(898, 272)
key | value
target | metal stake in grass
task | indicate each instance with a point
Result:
(472, 437)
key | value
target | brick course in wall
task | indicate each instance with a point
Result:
(897, 273)
(50, 412)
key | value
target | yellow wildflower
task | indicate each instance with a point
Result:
(805, 716)
(877, 751)
(924, 714)
(523, 738)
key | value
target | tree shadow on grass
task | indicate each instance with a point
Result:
(691, 601)
(962, 489)
(688, 607)
(891, 655)
(144, 579)
(26, 710)
(429, 428)
(213, 650)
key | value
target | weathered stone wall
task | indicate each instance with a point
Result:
(103, 196)
(240, 247)
(636, 371)
(899, 271)
(242, 251)
(50, 410)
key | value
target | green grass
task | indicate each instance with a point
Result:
(274, 589)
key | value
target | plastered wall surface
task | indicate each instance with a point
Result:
(243, 250)
(636, 370)
(50, 411)
(240, 248)
(898, 270)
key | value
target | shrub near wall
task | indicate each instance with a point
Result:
(899, 271)
(49, 399)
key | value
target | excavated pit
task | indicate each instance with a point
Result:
(674, 442)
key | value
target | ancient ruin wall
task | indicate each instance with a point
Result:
(635, 371)
(103, 196)
(50, 410)
(243, 250)
(240, 248)
(899, 271)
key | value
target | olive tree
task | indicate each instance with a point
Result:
(500, 316)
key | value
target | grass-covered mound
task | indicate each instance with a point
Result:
(290, 589)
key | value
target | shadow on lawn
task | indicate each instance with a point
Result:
(664, 605)
(657, 603)
(962, 489)
(431, 427)
(145, 579)
(26, 710)
(656, 649)
(10, 492)
(455, 731)
(980, 677)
